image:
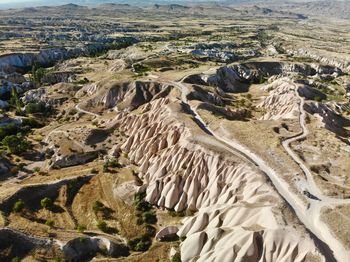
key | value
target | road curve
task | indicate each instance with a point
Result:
(310, 217)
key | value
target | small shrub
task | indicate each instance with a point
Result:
(102, 225)
(32, 122)
(140, 244)
(18, 206)
(94, 171)
(98, 207)
(176, 257)
(105, 167)
(141, 69)
(38, 74)
(173, 213)
(318, 99)
(50, 223)
(139, 221)
(15, 145)
(16, 259)
(34, 108)
(143, 206)
(149, 217)
(81, 228)
(82, 81)
(139, 197)
(46, 202)
(8, 130)
(150, 230)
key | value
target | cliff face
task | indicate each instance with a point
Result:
(237, 77)
(23, 62)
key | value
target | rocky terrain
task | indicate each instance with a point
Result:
(200, 132)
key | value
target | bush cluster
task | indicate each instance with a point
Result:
(141, 244)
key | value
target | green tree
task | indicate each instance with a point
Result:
(98, 206)
(14, 100)
(140, 243)
(7, 130)
(81, 228)
(33, 108)
(15, 145)
(46, 202)
(149, 217)
(38, 73)
(18, 206)
(50, 223)
(102, 225)
(16, 259)
(176, 257)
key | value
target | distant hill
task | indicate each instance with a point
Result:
(303, 8)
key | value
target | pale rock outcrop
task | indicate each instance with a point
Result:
(79, 249)
(58, 77)
(246, 233)
(239, 214)
(15, 78)
(237, 77)
(50, 95)
(322, 58)
(282, 101)
(329, 118)
(60, 161)
(22, 244)
(167, 233)
(124, 95)
(24, 61)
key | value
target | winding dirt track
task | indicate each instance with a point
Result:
(309, 214)
(77, 107)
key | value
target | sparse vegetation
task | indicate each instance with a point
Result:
(18, 206)
(102, 225)
(140, 69)
(46, 202)
(15, 101)
(197, 69)
(98, 206)
(144, 209)
(110, 163)
(176, 257)
(81, 228)
(94, 171)
(34, 108)
(50, 223)
(83, 81)
(38, 73)
(149, 217)
(16, 259)
(15, 144)
(140, 244)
